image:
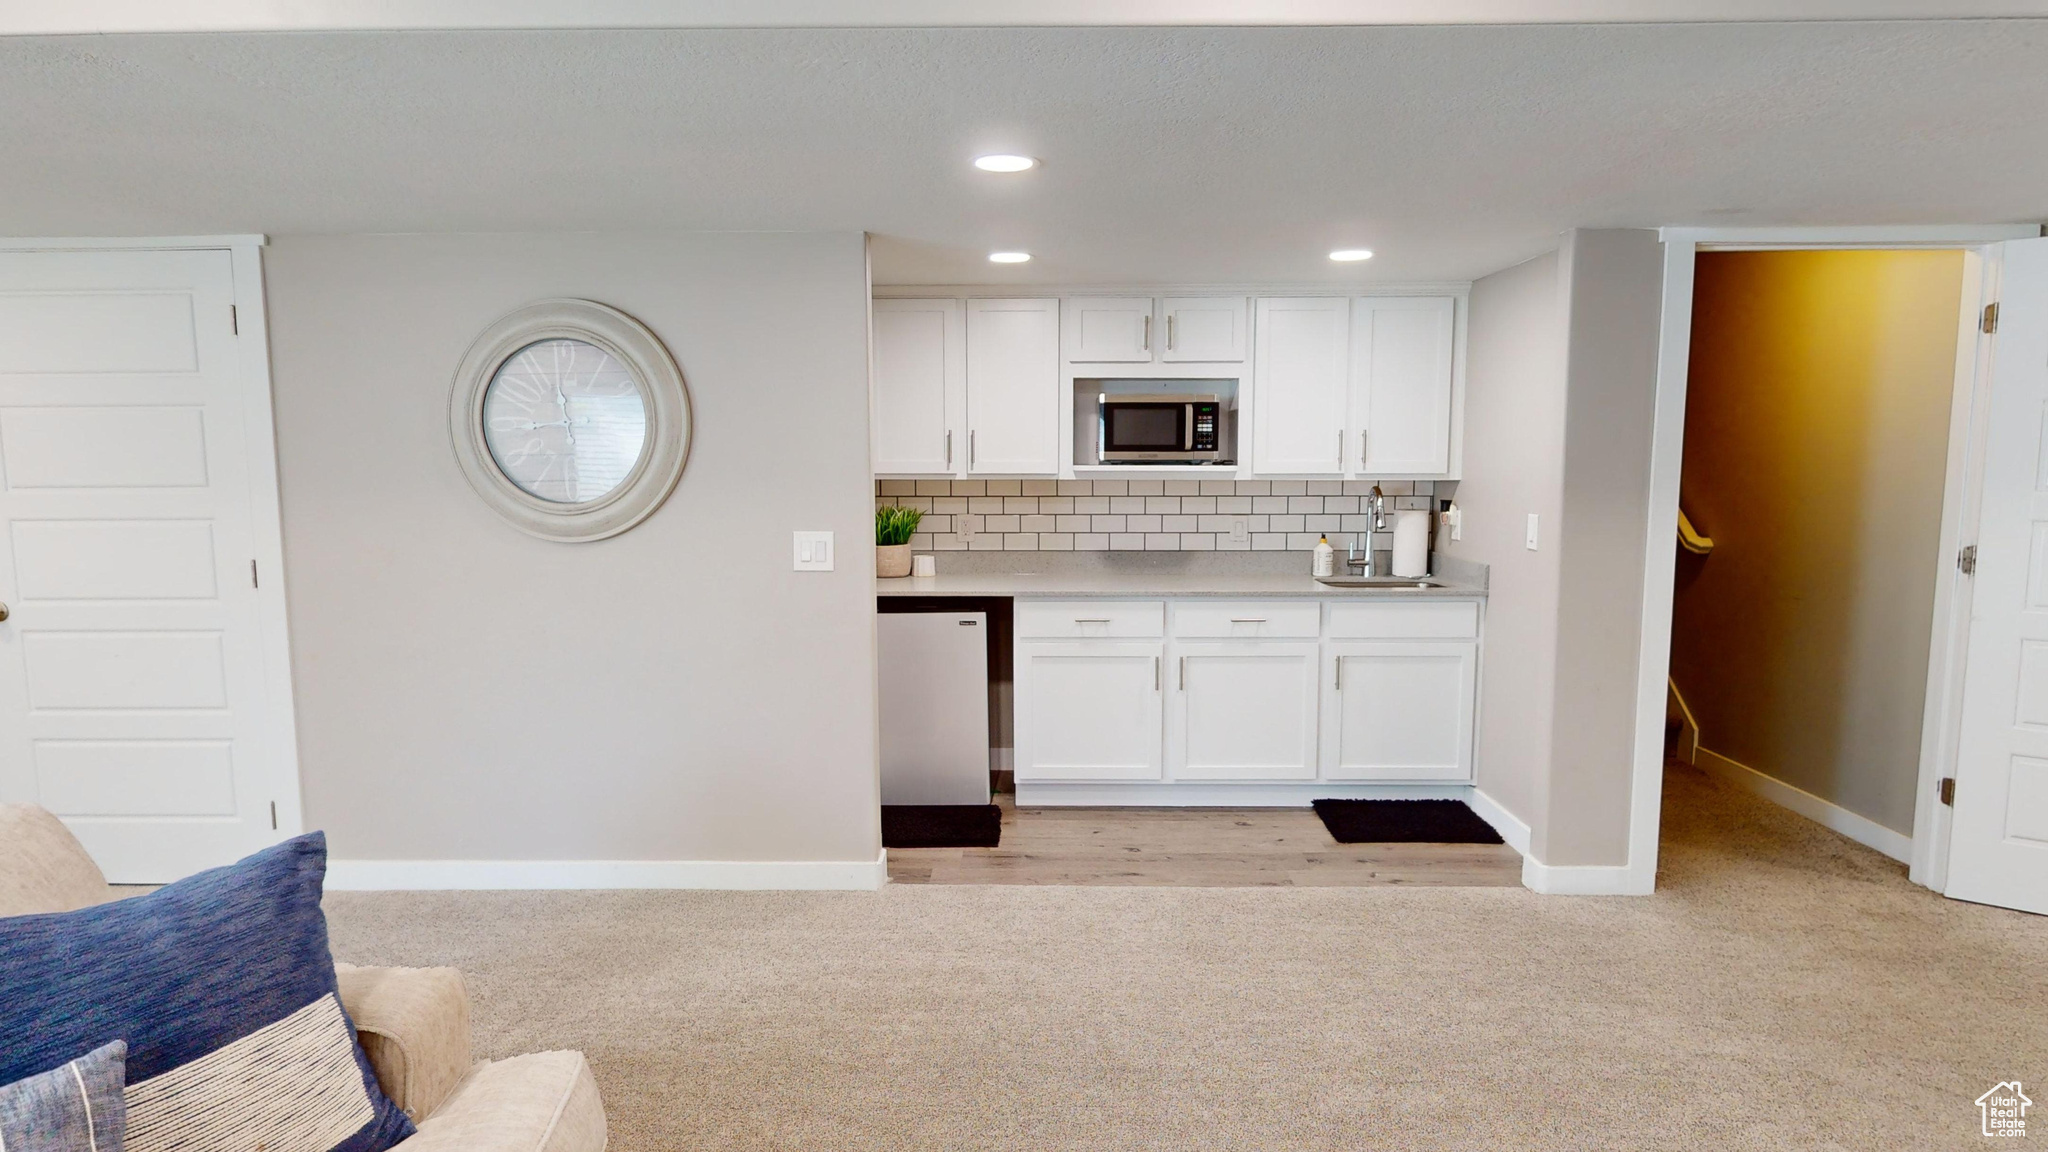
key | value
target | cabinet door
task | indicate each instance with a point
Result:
(1401, 350)
(1203, 328)
(1107, 329)
(1242, 710)
(1398, 710)
(920, 364)
(1299, 385)
(1013, 376)
(1088, 709)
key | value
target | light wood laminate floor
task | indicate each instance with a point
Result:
(1196, 847)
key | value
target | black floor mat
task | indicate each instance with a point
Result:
(1404, 822)
(941, 825)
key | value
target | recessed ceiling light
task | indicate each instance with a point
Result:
(1008, 257)
(1004, 162)
(1347, 255)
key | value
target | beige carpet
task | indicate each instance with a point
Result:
(1784, 989)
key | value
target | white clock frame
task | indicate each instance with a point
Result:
(662, 392)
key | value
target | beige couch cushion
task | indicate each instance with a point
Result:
(545, 1102)
(43, 867)
(414, 1026)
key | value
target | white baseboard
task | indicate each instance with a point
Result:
(423, 875)
(1581, 879)
(1827, 814)
(1171, 794)
(1504, 822)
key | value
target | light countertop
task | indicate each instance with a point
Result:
(1039, 575)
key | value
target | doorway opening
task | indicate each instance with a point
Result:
(1809, 557)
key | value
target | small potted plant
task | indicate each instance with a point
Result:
(893, 529)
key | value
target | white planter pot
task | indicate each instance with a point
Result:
(892, 560)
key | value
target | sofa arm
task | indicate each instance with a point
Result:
(543, 1102)
(414, 1026)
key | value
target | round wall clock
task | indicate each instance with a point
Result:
(570, 419)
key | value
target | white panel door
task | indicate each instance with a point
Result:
(919, 387)
(1208, 329)
(1242, 710)
(1300, 380)
(1401, 349)
(1998, 840)
(1088, 709)
(1013, 386)
(140, 698)
(1399, 710)
(1107, 329)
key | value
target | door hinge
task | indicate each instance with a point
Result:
(252, 575)
(1990, 323)
(1948, 791)
(1968, 560)
(234, 321)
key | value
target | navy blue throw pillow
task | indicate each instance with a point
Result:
(223, 987)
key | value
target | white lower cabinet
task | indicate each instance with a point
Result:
(1242, 710)
(1399, 709)
(1219, 693)
(1088, 709)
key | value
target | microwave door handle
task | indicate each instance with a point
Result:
(1187, 420)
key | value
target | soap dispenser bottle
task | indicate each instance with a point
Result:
(1326, 558)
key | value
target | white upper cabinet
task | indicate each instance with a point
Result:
(1300, 372)
(1203, 329)
(1108, 329)
(1013, 386)
(918, 391)
(1401, 385)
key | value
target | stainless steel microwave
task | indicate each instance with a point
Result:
(1154, 429)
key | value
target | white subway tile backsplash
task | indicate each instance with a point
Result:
(1148, 515)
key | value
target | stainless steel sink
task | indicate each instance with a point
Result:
(1380, 582)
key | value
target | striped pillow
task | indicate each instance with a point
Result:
(224, 989)
(76, 1108)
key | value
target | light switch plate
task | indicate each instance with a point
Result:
(1238, 534)
(814, 551)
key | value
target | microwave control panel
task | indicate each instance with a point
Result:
(1205, 430)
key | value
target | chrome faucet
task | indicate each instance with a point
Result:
(1375, 518)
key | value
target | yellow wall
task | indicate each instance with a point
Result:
(1815, 438)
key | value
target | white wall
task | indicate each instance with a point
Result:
(1514, 465)
(1561, 389)
(1613, 314)
(675, 693)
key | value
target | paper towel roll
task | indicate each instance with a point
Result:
(1411, 543)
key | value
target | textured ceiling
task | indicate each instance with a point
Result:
(1171, 155)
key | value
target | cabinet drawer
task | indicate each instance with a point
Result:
(1421, 619)
(1088, 619)
(1247, 619)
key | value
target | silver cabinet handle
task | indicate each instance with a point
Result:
(1183, 673)
(1247, 619)
(949, 447)
(1091, 620)
(1340, 449)
(1155, 673)
(970, 447)
(1361, 451)
(1169, 331)
(1147, 346)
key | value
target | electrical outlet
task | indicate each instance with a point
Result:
(1532, 531)
(1239, 531)
(814, 551)
(1454, 522)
